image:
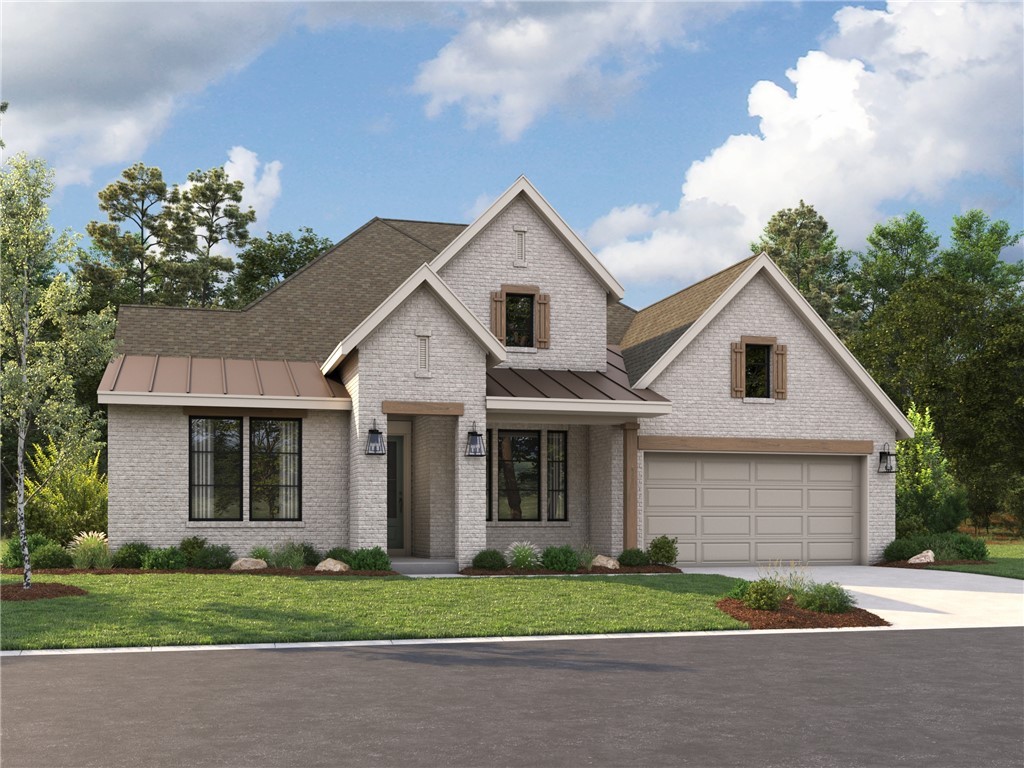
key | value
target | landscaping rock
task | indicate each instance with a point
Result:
(248, 564)
(925, 557)
(330, 564)
(603, 561)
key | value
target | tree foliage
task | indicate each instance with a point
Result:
(928, 498)
(899, 250)
(266, 261)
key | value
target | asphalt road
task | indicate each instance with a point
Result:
(911, 698)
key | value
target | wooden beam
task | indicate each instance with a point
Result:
(629, 484)
(416, 408)
(260, 413)
(754, 445)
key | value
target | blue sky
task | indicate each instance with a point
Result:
(665, 134)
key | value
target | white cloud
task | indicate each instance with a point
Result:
(262, 180)
(898, 105)
(511, 64)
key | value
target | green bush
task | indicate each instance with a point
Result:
(739, 590)
(663, 550)
(213, 556)
(261, 553)
(632, 558)
(564, 559)
(51, 555)
(130, 555)
(763, 595)
(946, 546)
(89, 550)
(490, 560)
(370, 559)
(310, 554)
(522, 554)
(11, 557)
(340, 553)
(166, 559)
(287, 555)
(928, 497)
(824, 598)
(190, 547)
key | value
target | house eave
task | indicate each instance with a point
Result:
(224, 401)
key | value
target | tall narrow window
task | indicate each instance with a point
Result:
(758, 371)
(215, 469)
(518, 475)
(490, 481)
(557, 476)
(275, 469)
(518, 320)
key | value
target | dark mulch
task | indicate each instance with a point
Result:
(790, 617)
(39, 591)
(546, 572)
(308, 571)
(905, 564)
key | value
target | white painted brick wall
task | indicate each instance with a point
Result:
(606, 489)
(149, 486)
(823, 402)
(578, 301)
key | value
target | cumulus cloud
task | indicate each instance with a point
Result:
(897, 105)
(510, 65)
(262, 180)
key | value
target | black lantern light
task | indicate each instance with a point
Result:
(475, 443)
(886, 460)
(375, 445)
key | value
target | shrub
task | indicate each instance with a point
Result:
(190, 547)
(287, 555)
(564, 559)
(370, 559)
(763, 595)
(663, 550)
(522, 554)
(928, 497)
(310, 554)
(490, 560)
(824, 598)
(261, 553)
(11, 556)
(51, 555)
(166, 559)
(340, 553)
(946, 546)
(130, 555)
(632, 558)
(739, 589)
(89, 550)
(213, 556)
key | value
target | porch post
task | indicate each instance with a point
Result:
(629, 484)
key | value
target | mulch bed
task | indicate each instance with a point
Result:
(545, 572)
(308, 571)
(905, 564)
(790, 617)
(40, 591)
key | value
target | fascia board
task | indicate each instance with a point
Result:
(522, 185)
(225, 401)
(528, 405)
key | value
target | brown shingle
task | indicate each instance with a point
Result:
(619, 318)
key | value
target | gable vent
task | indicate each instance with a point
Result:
(520, 257)
(424, 356)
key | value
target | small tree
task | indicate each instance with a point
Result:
(928, 498)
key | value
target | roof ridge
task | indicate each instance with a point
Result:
(425, 221)
(694, 285)
(387, 222)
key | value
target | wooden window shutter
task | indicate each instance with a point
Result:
(543, 330)
(498, 315)
(779, 384)
(737, 369)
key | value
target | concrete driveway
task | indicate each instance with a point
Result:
(917, 599)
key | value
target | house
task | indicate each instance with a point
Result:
(437, 389)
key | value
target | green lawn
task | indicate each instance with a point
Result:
(187, 609)
(1007, 560)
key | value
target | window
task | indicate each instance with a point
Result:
(759, 368)
(758, 371)
(518, 320)
(215, 469)
(557, 475)
(518, 475)
(275, 469)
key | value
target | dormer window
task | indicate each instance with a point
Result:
(519, 320)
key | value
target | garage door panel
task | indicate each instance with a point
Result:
(734, 498)
(779, 525)
(779, 550)
(785, 498)
(725, 525)
(672, 498)
(687, 551)
(830, 472)
(786, 471)
(830, 551)
(831, 498)
(672, 525)
(664, 468)
(725, 552)
(725, 470)
(831, 525)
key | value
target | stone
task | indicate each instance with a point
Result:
(603, 561)
(248, 564)
(330, 564)
(925, 557)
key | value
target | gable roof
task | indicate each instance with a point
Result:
(704, 305)
(523, 187)
(303, 317)
(424, 276)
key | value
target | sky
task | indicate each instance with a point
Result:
(666, 134)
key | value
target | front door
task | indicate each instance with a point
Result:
(398, 543)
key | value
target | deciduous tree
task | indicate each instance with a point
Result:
(268, 260)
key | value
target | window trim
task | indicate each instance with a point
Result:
(241, 471)
(541, 315)
(777, 368)
(298, 485)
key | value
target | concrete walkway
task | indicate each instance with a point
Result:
(916, 599)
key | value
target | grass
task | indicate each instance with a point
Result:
(190, 609)
(1007, 560)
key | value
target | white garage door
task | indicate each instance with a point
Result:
(730, 509)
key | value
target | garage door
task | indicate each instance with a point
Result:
(736, 509)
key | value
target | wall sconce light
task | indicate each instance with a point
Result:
(886, 460)
(475, 443)
(375, 445)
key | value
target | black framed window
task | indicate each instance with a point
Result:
(518, 475)
(558, 474)
(215, 469)
(275, 469)
(490, 480)
(519, 320)
(758, 370)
